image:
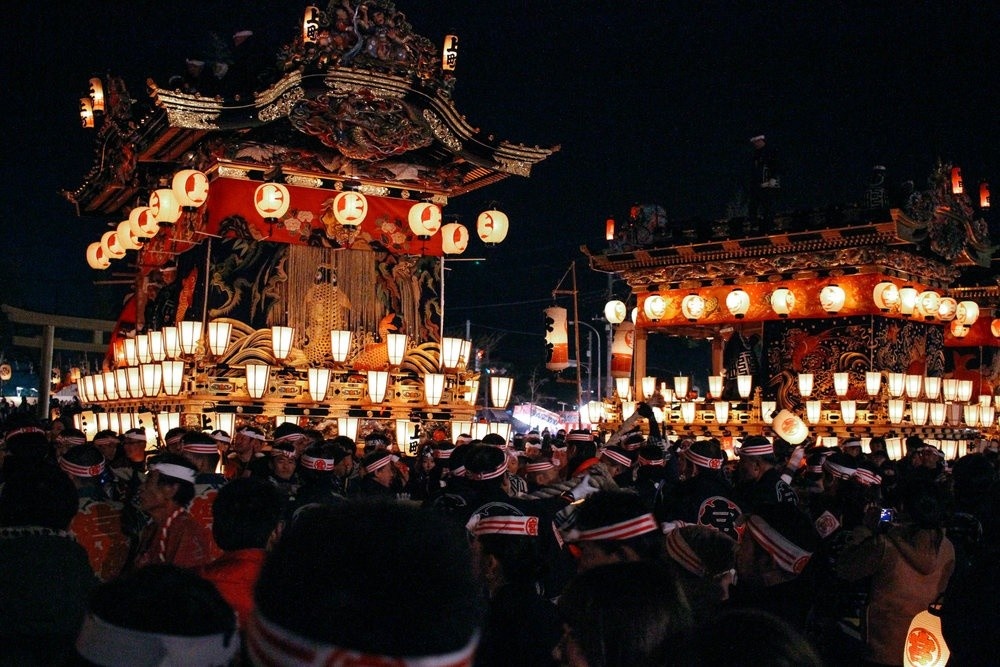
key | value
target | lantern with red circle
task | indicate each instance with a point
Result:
(350, 208)
(164, 206)
(96, 257)
(271, 201)
(141, 222)
(425, 220)
(454, 238)
(492, 226)
(191, 188)
(112, 246)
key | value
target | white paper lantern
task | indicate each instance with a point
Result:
(454, 238)
(271, 200)
(782, 301)
(164, 206)
(738, 303)
(615, 311)
(654, 307)
(491, 226)
(190, 187)
(424, 219)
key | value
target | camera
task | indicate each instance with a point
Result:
(888, 515)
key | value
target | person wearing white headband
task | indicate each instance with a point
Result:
(173, 535)
(612, 527)
(380, 478)
(160, 615)
(326, 597)
(244, 449)
(522, 626)
(758, 477)
(771, 563)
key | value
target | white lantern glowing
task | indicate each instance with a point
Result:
(173, 376)
(378, 382)
(556, 338)
(814, 411)
(693, 307)
(873, 382)
(622, 388)
(789, 427)
(281, 341)
(451, 352)
(848, 411)
(654, 307)
(928, 303)
(964, 390)
(967, 312)
(424, 219)
(971, 414)
(218, 337)
(595, 411)
(310, 25)
(919, 411)
(97, 258)
(340, 344)
(831, 298)
(257, 377)
(782, 301)
(738, 303)
(886, 296)
(152, 378)
(190, 186)
(615, 311)
(112, 245)
(938, 412)
(744, 385)
(271, 201)
(721, 411)
(131, 352)
(958, 330)
(907, 300)
(995, 327)
(688, 411)
(171, 342)
(396, 347)
(449, 53)
(648, 387)
(190, 336)
(500, 389)
(841, 383)
(454, 238)
(319, 383)
(947, 309)
(950, 389)
(913, 385)
(433, 387)
(681, 386)
(987, 415)
(895, 407)
(715, 386)
(491, 226)
(805, 384)
(164, 206)
(142, 223)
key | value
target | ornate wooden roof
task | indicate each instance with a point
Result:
(366, 103)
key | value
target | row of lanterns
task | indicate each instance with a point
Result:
(151, 362)
(887, 296)
(189, 191)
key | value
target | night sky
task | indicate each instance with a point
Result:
(651, 102)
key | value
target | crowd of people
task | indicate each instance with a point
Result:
(287, 548)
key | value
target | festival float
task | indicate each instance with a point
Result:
(877, 319)
(282, 218)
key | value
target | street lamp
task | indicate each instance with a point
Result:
(589, 365)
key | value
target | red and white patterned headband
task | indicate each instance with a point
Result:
(442, 453)
(489, 474)
(540, 466)
(270, 644)
(200, 448)
(250, 434)
(867, 477)
(623, 530)
(72, 439)
(579, 437)
(652, 462)
(683, 554)
(702, 461)
(789, 556)
(503, 525)
(291, 437)
(314, 463)
(107, 440)
(757, 450)
(79, 470)
(380, 462)
(221, 436)
(22, 431)
(617, 457)
(136, 436)
(175, 438)
(837, 470)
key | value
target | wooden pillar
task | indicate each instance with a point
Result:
(45, 378)
(639, 356)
